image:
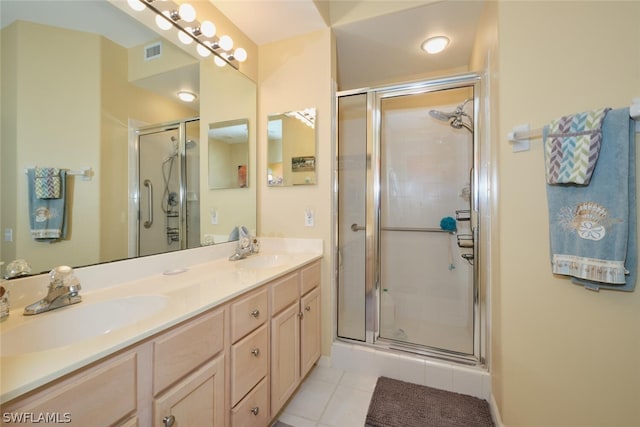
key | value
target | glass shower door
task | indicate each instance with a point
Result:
(406, 248)
(426, 285)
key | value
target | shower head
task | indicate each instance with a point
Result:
(455, 117)
(439, 115)
(190, 144)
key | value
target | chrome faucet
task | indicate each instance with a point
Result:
(63, 290)
(247, 245)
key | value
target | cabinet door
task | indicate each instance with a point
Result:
(197, 400)
(309, 331)
(285, 356)
(100, 395)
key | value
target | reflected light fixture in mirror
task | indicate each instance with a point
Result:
(203, 33)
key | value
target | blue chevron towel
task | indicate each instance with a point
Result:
(47, 183)
(592, 228)
(572, 147)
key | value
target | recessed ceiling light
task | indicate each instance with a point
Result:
(435, 44)
(187, 96)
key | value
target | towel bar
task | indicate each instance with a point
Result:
(86, 173)
(521, 135)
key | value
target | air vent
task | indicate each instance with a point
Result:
(153, 51)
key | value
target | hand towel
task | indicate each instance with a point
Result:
(47, 216)
(47, 183)
(593, 227)
(572, 147)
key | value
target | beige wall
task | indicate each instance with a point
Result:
(295, 74)
(563, 356)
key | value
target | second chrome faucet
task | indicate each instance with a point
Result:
(64, 288)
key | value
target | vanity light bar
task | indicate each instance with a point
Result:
(202, 33)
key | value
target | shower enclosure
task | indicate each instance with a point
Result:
(407, 231)
(168, 187)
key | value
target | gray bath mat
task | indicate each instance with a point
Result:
(400, 404)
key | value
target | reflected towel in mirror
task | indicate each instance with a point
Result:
(47, 216)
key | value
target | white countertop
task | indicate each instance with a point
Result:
(201, 287)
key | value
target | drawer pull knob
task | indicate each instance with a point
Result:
(256, 352)
(255, 410)
(169, 420)
(301, 315)
(308, 308)
(255, 313)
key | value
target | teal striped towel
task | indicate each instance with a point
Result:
(47, 183)
(572, 147)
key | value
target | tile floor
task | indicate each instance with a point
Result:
(330, 397)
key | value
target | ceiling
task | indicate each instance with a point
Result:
(387, 33)
(389, 36)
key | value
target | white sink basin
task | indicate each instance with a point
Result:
(264, 261)
(78, 322)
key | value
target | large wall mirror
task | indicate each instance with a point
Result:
(102, 82)
(291, 151)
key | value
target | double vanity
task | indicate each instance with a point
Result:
(201, 342)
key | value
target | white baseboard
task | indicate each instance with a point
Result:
(495, 412)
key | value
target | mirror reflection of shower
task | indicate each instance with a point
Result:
(168, 163)
(457, 119)
(171, 196)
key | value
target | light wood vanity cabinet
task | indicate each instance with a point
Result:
(295, 331)
(236, 364)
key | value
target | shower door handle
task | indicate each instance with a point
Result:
(149, 222)
(356, 227)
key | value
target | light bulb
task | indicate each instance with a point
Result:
(435, 44)
(203, 51)
(226, 43)
(136, 5)
(187, 12)
(219, 61)
(164, 21)
(208, 29)
(240, 54)
(184, 37)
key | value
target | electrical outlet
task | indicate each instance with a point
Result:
(309, 220)
(214, 216)
(8, 234)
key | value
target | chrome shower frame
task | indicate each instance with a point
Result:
(479, 197)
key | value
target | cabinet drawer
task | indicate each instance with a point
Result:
(247, 314)
(249, 365)
(310, 277)
(182, 350)
(284, 292)
(100, 396)
(253, 410)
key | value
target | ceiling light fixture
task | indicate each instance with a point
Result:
(187, 96)
(203, 33)
(435, 44)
